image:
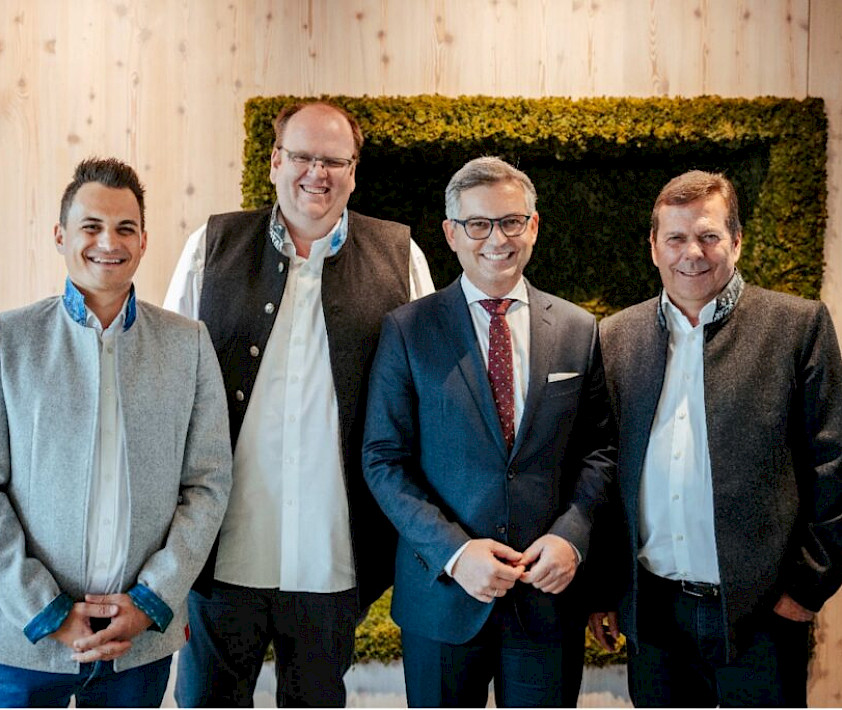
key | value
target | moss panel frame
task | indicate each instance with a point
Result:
(598, 165)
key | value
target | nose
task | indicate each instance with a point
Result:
(497, 236)
(694, 250)
(317, 166)
(107, 239)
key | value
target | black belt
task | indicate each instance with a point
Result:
(694, 589)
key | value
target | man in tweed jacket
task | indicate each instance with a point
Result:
(728, 400)
(114, 467)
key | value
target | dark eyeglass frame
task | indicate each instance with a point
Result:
(499, 221)
(328, 162)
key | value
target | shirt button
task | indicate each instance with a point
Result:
(292, 417)
(677, 455)
(682, 414)
(676, 496)
(254, 351)
(280, 267)
(110, 349)
(510, 475)
(679, 538)
(239, 396)
(269, 308)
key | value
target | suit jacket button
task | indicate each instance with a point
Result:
(269, 307)
(510, 475)
(501, 529)
(254, 351)
(239, 396)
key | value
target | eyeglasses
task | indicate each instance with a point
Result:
(302, 160)
(512, 225)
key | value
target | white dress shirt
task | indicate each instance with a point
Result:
(676, 494)
(108, 500)
(287, 525)
(518, 319)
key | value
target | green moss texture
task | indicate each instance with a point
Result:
(598, 165)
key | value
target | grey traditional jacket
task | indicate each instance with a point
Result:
(773, 406)
(179, 467)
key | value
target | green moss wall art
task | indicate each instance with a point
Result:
(598, 165)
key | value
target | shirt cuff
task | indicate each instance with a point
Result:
(49, 619)
(152, 605)
(448, 568)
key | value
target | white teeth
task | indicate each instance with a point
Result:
(497, 257)
(98, 260)
(312, 190)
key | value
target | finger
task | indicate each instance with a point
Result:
(108, 652)
(99, 610)
(109, 634)
(504, 552)
(504, 574)
(530, 554)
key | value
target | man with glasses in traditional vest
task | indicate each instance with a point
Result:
(293, 296)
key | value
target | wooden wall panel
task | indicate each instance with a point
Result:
(162, 83)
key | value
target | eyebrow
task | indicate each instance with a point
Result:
(99, 220)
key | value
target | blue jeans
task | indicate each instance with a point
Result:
(95, 686)
(682, 661)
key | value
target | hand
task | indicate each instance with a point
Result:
(790, 609)
(114, 640)
(606, 636)
(77, 624)
(550, 564)
(487, 569)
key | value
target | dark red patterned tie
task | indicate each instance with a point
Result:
(500, 369)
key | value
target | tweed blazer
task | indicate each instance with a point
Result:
(179, 468)
(436, 461)
(773, 407)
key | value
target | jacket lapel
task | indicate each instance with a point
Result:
(458, 332)
(541, 346)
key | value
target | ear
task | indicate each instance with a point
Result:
(142, 243)
(274, 165)
(652, 250)
(448, 228)
(58, 238)
(738, 245)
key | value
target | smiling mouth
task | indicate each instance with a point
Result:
(498, 257)
(107, 260)
(314, 190)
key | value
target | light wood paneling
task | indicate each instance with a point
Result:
(162, 83)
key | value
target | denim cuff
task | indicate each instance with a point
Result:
(152, 605)
(49, 619)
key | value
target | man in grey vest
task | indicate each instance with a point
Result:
(293, 296)
(728, 399)
(114, 469)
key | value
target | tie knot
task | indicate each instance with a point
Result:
(497, 306)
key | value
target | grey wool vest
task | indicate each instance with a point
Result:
(243, 285)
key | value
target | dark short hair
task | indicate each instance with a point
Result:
(487, 170)
(286, 113)
(106, 171)
(695, 185)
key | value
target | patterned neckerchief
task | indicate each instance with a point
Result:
(74, 302)
(726, 301)
(279, 235)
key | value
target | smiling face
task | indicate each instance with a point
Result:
(493, 265)
(102, 242)
(312, 198)
(694, 252)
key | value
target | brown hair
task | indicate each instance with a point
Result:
(695, 185)
(106, 171)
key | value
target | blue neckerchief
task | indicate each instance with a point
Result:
(277, 231)
(74, 302)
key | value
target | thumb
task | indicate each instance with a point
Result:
(531, 553)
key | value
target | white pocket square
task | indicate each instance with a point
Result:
(558, 376)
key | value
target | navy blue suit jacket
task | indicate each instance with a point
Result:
(435, 458)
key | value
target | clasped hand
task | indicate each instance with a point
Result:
(127, 621)
(488, 569)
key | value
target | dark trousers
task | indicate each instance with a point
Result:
(681, 659)
(313, 637)
(96, 685)
(526, 673)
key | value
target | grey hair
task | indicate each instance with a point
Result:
(487, 170)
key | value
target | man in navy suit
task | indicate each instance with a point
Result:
(489, 445)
